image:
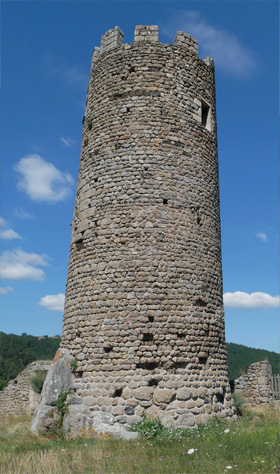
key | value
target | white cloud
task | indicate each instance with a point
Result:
(67, 142)
(257, 300)
(53, 302)
(224, 47)
(41, 180)
(22, 214)
(20, 265)
(9, 234)
(3, 223)
(262, 236)
(5, 290)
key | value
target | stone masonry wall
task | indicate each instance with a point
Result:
(256, 385)
(144, 311)
(18, 397)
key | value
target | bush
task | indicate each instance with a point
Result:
(239, 401)
(37, 381)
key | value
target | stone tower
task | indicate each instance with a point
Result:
(144, 312)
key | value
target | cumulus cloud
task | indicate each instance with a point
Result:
(41, 180)
(7, 289)
(67, 142)
(7, 234)
(53, 302)
(257, 300)
(224, 47)
(262, 236)
(20, 265)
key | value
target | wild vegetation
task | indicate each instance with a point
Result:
(16, 352)
(248, 446)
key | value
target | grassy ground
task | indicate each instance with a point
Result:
(248, 446)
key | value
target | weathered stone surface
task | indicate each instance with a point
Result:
(164, 395)
(183, 393)
(256, 385)
(19, 397)
(59, 379)
(186, 420)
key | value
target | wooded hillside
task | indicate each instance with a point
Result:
(16, 352)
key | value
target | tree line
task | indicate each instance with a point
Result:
(16, 352)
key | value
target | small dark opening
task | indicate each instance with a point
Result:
(153, 383)
(200, 302)
(180, 335)
(164, 201)
(198, 219)
(132, 69)
(96, 223)
(79, 374)
(202, 360)
(147, 366)
(79, 244)
(151, 319)
(232, 385)
(204, 113)
(107, 349)
(179, 365)
(220, 397)
(146, 168)
(117, 392)
(148, 337)
(95, 179)
(86, 142)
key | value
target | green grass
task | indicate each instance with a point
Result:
(248, 446)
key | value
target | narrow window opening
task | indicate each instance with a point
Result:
(79, 374)
(117, 392)
(164, 201)
(86, 142)
(206, 115)
(96, 223)
(95, 180)
(147, 337)
(153, 383)
(202, 360)
(198, 220)
(181, 335)
(151, 319)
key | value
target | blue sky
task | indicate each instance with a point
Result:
(46, 55)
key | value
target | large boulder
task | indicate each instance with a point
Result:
(59, 380)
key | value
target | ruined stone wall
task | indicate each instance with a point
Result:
(256, 384)
(144, 302)
(19, 397)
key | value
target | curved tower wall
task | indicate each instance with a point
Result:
(144, 302)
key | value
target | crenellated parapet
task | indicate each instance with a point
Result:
(147, 34)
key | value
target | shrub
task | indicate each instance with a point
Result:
(37, 380)
(239, 401)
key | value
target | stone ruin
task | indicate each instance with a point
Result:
(144, 317)
(256, 384)
(19, 397)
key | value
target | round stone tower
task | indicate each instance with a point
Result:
(144, 314)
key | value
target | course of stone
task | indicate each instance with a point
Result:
(144, 312)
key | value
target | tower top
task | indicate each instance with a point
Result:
(148, 34)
